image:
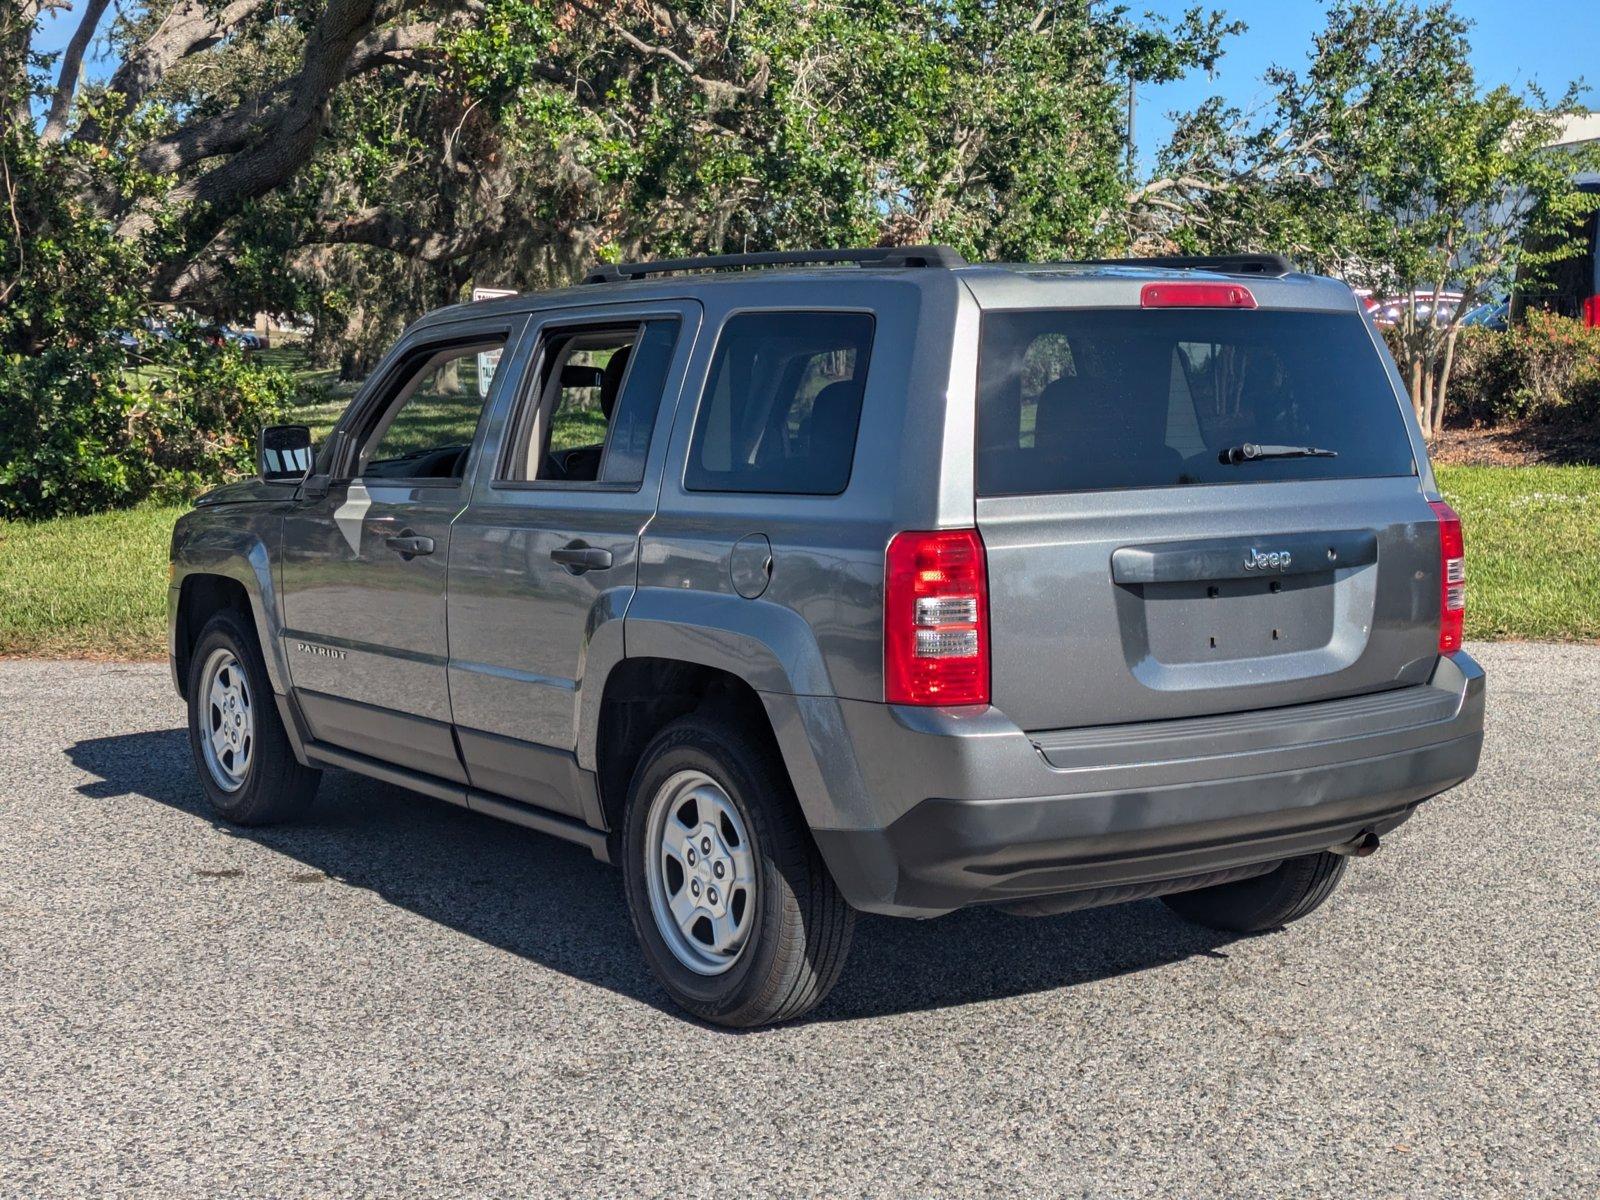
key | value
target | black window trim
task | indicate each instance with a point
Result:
(728, 318)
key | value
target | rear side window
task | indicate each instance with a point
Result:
(1082, 400)
(781, 405)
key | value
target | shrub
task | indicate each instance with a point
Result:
(78, 431)
(1545, 368)
(1553, 369)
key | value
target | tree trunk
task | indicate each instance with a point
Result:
(1443, 388)
(1428, 397)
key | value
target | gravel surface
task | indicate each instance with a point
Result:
(399, 998)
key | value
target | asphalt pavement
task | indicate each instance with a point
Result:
(400, 998)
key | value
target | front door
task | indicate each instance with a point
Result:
(364, 565)
(543, 559)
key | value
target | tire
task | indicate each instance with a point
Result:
(704, 782)
(255, 778)
(1270, 901)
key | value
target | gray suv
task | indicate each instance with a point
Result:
(809, 584)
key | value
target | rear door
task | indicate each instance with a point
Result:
(545, 554)
(1136, 573)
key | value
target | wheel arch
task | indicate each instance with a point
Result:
(219, 565)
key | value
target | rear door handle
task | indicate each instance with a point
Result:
(408, 545)
(578, 557)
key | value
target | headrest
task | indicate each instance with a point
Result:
(611, 380)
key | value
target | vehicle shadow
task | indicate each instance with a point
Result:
(550, 902)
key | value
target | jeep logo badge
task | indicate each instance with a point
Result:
(1273, 560)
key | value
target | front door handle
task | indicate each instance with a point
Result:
(408, 545)
(578, 557)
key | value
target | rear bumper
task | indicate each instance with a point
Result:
(977, 811)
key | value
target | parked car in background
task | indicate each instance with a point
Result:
(1494, 315)
(1428, 308)
(893, 585)
(245, 339)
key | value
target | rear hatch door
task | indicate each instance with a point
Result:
(1136, 573)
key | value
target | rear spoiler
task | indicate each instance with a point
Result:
(1224, 264)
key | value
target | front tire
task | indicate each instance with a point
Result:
(241, 750)
(731, 902)
(1293, 890)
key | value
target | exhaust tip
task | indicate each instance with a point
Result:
(1361, 846)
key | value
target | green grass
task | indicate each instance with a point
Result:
(86, 586)
(96, 586)
(1533, 550)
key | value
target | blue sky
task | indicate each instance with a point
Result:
(1551, 42)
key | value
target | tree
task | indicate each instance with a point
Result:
(521, 139)
(1388, 164)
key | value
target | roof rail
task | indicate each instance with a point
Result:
(1225, 264)
(875, 256)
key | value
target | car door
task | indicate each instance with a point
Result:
(365, 552)
(543, 558)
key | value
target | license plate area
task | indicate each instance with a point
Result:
(1225, 619)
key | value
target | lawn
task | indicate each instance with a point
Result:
(91, 586)
(1533, 550)
(97, 585)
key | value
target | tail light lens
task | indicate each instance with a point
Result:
(1591, 312)
(936, 619)
(1452, 577)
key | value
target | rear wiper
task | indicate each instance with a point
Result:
(1250, 451)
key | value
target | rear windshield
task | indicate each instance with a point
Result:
(1088, 399)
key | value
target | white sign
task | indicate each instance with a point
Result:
(488, 360)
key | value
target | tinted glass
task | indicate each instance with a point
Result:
(1077, 400)
(635, 416)
(426, 433)
(782, 404)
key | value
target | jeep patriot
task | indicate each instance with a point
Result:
(812, 583)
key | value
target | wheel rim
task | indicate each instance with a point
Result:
(701, 873)
(227, 720)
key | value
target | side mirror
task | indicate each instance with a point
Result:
(284, 455)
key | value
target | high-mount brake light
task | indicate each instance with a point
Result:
(1196, 295)
(1452, 577)
(936, 619)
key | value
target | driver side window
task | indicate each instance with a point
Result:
(427, 427)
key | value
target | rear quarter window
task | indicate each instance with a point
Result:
(1093, 399)
(782, 404)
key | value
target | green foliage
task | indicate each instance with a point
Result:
(1387, 163)
(1545, 368)
(78, 431)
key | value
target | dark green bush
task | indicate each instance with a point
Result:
(79, 431)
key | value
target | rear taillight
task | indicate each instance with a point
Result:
(1591, 312)
(936, 619)
(1196, 295)
(1452, 577)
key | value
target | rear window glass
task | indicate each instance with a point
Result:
(1089, 399)
(781, 405)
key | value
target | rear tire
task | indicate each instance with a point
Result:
(765, 934)
(241, 750)
(1270, 901)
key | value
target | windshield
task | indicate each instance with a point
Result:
(1089, 399)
